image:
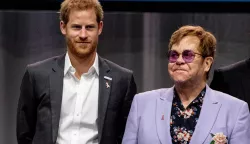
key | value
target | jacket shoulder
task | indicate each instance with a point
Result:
(235, 67)
(229, 100)
(152, 94)
(42, 67)
(43, 63)
(117, 68)
(146, 102)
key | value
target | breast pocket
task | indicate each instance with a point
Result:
(215, 131)
(114, 103)
(219, 130)
(116, 99)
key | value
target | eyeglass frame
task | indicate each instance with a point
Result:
(185, 59)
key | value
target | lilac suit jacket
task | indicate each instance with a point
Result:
(220, 113)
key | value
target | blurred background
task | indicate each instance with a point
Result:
(136, 35)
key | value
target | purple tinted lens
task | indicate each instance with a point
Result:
(188, 56)
(173, 56)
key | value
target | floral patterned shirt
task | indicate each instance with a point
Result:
(183, 121)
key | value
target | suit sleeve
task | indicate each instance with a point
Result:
(132, 89)
(131, 131)
(219, 83)
(241, 131)
(26, 111)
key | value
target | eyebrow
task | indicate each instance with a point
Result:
(76, 25)
(79, 25)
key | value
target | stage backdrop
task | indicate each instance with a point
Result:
(138, 41)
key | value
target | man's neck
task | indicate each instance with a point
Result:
(83, 64)
(188, 92)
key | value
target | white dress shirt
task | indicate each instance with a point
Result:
(79, 110)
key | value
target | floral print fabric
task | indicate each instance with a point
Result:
(183, 120)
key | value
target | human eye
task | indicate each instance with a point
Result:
(76, 27)
(90, 27)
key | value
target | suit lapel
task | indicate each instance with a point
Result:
(163, 112)
(105, 83)
(207, 118)
(56, 87)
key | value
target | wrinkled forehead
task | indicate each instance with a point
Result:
(187, 43)
(82, 15)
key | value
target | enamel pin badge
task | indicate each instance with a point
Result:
(107, 82)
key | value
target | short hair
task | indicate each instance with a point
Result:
(207, 40)
(68, 5)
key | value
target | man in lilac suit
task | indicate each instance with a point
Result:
(190, 112)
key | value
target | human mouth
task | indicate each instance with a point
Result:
(83, 42)
(179, 70)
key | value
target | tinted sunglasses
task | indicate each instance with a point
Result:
(187, 55)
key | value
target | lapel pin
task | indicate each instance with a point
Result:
(108, 78)
(162, 117)
(107, 85)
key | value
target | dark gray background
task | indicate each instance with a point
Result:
(138, 41)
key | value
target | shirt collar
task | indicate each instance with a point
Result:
(96, 64)
(198, 100)
(69, 68)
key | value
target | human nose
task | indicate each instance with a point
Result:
(83, 33)
(180, 60)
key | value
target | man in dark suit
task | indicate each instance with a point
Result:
(234, 80)
(78, 97)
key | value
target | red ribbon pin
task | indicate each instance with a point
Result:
(162, 117)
